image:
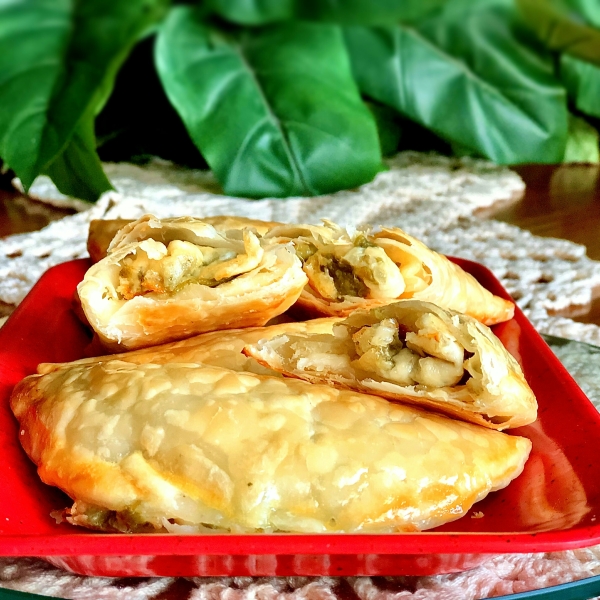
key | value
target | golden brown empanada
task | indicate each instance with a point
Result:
(102, 231)
(168, 279)
(414, 352)
(360, 269)
(182, 447)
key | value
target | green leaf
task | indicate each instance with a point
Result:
(471, 76)
(274, 111)
(561, 28)
(587, 11)
(33, 40)
(77, 170)
(582, 143)
(365, 12)
(581, 78)
(582, 81)
(58, 59)
(254, 12)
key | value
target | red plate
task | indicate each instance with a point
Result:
(552, 506)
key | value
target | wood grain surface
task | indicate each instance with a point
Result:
(561, 202)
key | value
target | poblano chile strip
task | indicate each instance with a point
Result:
(346, 281)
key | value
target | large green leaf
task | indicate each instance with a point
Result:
(389, 127)
(77, 170)
(562, 27)
(587, 11)
(274, 111)
(365, 12)
(471, 76)
(58, 59)
(254, 12)
(33, 41)
(581, 78)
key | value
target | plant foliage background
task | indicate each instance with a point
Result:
(292, 97)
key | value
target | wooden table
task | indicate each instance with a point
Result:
(560, 201)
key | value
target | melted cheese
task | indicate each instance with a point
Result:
(375, 268)
(432, 356)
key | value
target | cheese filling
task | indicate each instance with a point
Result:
(156, 267)
(361, 270)
(431, 356)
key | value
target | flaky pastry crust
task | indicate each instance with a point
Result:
(362, 269)
(101, 232)
(159, 447)
(412, 351)
(217, 348)
(169, 279)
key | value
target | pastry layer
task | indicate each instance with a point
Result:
(217, 348)
(102, 231)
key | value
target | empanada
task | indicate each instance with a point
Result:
(361, 269)
(181, 447)
(414, 352)
(170, 279)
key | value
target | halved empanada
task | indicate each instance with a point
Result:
(414, 352)
(181, 447)
(360, 269)
(170, 279)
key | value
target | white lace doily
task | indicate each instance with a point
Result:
(434, 198)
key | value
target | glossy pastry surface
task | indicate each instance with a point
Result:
(181, 447)
(217, 348)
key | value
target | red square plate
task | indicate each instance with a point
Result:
(552, 506)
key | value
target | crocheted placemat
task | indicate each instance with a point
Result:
(434, 198)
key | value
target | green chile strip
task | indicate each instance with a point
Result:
(345, 279)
